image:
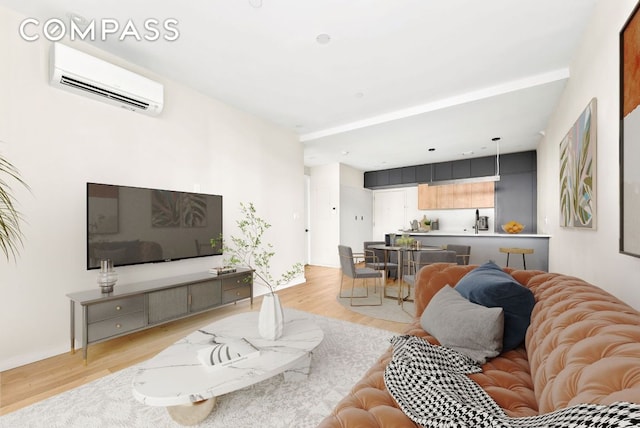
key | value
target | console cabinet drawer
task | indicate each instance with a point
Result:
(237, 293)
(115, 326)
(236, 288)
(114, 308)
(239, 281)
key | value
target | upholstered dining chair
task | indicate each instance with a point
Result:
(421, 259)
(378, 259)
(349, 269)
(463, 252)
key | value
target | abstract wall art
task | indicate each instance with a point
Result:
(578, 172)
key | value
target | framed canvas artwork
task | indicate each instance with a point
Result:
(630, 135)
(578, 172)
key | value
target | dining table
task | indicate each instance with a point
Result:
(401, 251)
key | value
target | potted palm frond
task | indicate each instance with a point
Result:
(249, 250)
(10, 218)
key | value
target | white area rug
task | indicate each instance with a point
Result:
(390, 310)
(345, 354)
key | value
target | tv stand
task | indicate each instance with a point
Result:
(139, 306)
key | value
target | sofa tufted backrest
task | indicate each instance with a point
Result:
(583, 344)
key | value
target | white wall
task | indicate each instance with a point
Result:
(356, 209)
(325, 214)
(59, 141)
(405, 209)
(591, 255)
(337, 195)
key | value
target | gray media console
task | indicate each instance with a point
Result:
(135, 307)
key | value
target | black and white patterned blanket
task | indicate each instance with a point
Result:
(431, 386)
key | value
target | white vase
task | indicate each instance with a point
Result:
(271, 318)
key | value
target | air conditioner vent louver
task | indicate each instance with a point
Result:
(83, 74)
(102, 92)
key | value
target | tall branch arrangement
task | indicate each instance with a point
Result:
(251, 251)
(10, 218)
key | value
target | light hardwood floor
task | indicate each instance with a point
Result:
(31, 383)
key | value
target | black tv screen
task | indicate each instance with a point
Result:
(133, 225)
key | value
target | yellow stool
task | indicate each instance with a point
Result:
(522, 251)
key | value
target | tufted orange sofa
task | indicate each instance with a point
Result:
(583, 346)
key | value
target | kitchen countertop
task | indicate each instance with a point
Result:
(486, 245)
(473, 235)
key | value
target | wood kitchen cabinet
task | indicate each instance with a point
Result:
(427, 197)
(453, 196)
(483, 195)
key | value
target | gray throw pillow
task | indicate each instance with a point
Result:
(473, 330)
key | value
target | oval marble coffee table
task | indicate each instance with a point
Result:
(176, 379)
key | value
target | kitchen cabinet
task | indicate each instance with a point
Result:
(395, 176)
(461, 169)
(442, 171)
(423, 173)
(461, 197)
(453, 196)
(427, 197)
(511, 163)
(483, 195)
(515, 202)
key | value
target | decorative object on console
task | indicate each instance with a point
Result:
(107, 276)
(221, 270)
(10, 234)
(249, 250)
(271, 318)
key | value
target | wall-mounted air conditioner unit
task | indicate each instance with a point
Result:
(84, 74)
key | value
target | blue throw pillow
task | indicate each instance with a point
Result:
(488, 285)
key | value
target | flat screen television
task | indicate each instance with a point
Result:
(134, 225)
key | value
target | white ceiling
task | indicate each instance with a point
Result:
(398, 76)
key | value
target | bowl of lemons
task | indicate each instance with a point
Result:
(513, 227)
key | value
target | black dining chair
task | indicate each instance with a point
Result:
(347, 264)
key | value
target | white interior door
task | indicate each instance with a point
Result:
(389, 212)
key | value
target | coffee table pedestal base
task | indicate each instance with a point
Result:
(300, 371)
(192, 414)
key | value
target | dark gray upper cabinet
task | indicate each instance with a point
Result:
(483, 167)
(382, 178)
(370, 179)
(442, 171)
(423, 173)
(409, 174)
(461, 169)
(512, 163)
(395, 176)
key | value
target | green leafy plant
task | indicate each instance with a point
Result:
(251, 251)
(10, 218)
(405, 241)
